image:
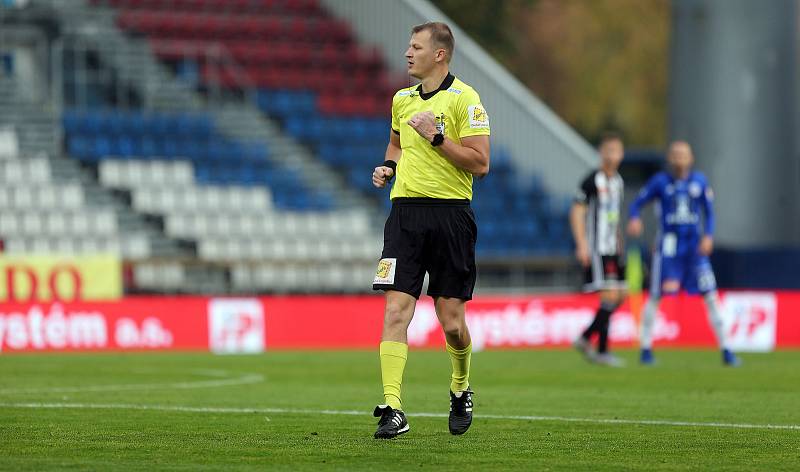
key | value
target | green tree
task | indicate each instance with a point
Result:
(598, 63)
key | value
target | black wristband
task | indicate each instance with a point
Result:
(392, 165)
(438, 139)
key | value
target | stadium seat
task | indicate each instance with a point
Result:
(312, 76)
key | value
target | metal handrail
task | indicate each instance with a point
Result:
(216, 53)
(213, 53)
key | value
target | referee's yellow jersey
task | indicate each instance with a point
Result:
(422, 170)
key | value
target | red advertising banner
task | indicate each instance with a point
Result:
(331, 322)
(754, 321)
(132, 323)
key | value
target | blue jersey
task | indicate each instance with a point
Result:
(685, 206)
(685, 211)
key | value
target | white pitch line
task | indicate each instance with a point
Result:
(191, 384)
(296, 411)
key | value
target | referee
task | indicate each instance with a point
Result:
(439, 141)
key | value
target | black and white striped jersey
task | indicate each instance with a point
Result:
(603, 196)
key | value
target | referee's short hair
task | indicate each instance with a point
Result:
(441, 36)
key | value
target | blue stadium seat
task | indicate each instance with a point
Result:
(102, 147)
(116, 122)
(359, 128)
(72, 122)
(284, 103)
(123, 146)
(217, 150)
(255, 152)
(79, 146)
(92, 135)
(170, 148)
(190, 148)
(134, 123)
(94, 123)
(159, 124)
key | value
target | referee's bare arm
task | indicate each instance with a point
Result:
(384, 174)
(472, 154)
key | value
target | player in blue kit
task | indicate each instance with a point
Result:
(685, 240)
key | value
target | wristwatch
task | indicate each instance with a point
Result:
(438, 139)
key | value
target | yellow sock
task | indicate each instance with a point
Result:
(460, 359)
(393, 362)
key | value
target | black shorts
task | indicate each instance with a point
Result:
(604, 273)
(429, 235)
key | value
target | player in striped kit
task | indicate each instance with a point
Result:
(595, 219)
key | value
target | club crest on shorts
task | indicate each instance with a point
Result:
(385, 273)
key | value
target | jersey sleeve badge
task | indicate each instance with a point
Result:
(478, 118)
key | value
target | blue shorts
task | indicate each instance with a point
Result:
(681, 261)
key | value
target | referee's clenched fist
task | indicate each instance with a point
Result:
(381, 176)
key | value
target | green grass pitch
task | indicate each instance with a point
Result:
(534, 410)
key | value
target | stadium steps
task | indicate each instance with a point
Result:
(69, 170)
(36, 127)
(161, 91)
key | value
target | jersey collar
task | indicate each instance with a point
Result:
(446, 83)
(676, 179)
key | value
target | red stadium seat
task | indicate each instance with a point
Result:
(184, 26)
(171, 49)
(239, 6)
(299, 79)
(301, 56)
(298, 30)
(267, 78)
(340, 32)
(350, 105)
(246, 52)
(370, 58)
(270, 28)
(284, 8)
(187, 5)
(251, 28)
(228, 26)
(151, 23)
(293, 55)
(267, 5)
(362, 80)
(332, 81)
(325, 56)
(323, 29)
(116, 3)
(372, 106)
(327, 104)
(220, 76)
(288, 44)
(217, 5)
(127, 21)
(150, 4)
(208, 26)
(304, 7)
